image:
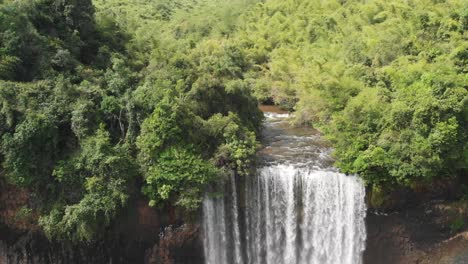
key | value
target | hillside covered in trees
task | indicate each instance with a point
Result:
(103, 100)
(386, 81)
(92, 114)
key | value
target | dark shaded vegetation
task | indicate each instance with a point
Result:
(91, 112)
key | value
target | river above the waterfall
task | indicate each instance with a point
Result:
(296, 209)
(285, 144)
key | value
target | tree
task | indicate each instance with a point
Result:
(95, 186)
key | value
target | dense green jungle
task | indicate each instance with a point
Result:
(105, 101)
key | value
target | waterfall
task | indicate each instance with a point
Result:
(296, 210)
(235, 223)
(214, 226)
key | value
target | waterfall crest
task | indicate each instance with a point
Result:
(296, 210)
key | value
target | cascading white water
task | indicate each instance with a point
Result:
(214, 226)
(296, 210)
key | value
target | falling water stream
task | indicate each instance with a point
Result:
(298, 209)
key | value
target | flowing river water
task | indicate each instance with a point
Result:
(298, 209)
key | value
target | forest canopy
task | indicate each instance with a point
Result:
(95, 110)
(104, 100)
(386, 81)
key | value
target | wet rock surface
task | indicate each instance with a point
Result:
(420, 234)
(177, 245)
(141, 235)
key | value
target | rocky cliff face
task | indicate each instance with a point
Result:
(141, 235)
(423, 228)
(418, 227)
(175, 245)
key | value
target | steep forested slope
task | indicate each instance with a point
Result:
(103, 100)
(386, 81)
(93, 110)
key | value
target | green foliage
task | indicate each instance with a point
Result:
(8, 66)
(24, 214)
(98, 101)
(172, 166)
(457, 225)
(29, 153)
(86, 220)
(41, 37)
(178, 175)
(415, 133)
(385, 81)
(94, 184)
(377, 197)
(156, 94)
(237, 144)
(163, 128)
